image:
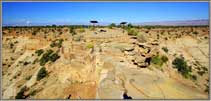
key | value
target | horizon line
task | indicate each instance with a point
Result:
(99, 23)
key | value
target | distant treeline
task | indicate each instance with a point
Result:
(101, 26)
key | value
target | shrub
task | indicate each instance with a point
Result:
(11, 45)
(181, 65)
(90, 45)
(45, 57)
(130, 25)
(201, 73)
(92, 28)
(141, 38)
(26, 63)
(57, 43)
(156, 60)
(28, 77)
(162, 33)
(72, 31)
(32, 93)
(164, 59)
(204, 68)
(34, 33)
(165, 49)
(20, 94)
(193, 77)
(39, 52)
(207, 89)
(112, 25)
(48, 56)
(132, 32)
(54, 57)
(195, 32)
(60, 33)
(81, 30)
(41, 74)
(77, 38)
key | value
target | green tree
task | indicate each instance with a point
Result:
(112, 25)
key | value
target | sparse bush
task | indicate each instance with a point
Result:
(132, 32)
(90, 45)
(112, 25)
(26, 63)
(193, 77)
(54, 26)
(165, 49)
(14, 77)
(141, 38)
(195, 32)
(54, 57)
(48, 56)
(28, 77)
(164, 59)
(45, 57)
(92, 28)
(60, 33)
(162, 33)
(81, 30)
(39, 52)
(41, 74)
(11, 45)
(205, 37)
(207, 86)
(181, 65)
(20, 94)
(32, 93)
(77, 38)
(57, 43)
(72, 30)
(201, 73)
(157, 60)
(34, 33)
(207, 89)
(204, 68)
(130, 25)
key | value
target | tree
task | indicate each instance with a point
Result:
(122, 25)
(112, 25)
(130, 25)
(53, 25)
(93, 22)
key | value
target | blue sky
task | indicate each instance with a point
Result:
(104, 12)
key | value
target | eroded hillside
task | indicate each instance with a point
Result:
(105, 63)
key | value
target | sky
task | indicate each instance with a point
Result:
(26, 13)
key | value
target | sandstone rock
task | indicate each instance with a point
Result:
(129, 48)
